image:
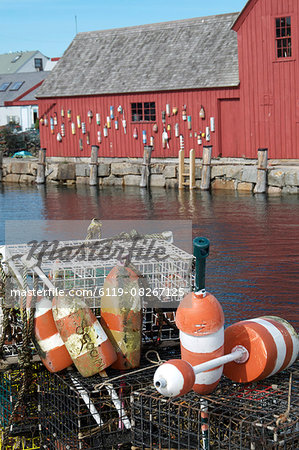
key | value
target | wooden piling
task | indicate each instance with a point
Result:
(41, 167)
(93, 173)
(192, 169)
(1, 165)
(261, 182)
(146, 167)
(181, 168)
(206, 168)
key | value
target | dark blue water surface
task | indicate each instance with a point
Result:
(253, 267)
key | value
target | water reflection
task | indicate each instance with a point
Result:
(253, 265)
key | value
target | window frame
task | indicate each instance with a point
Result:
(39, 68)
(20, 83)
(280, 38)
(3, 84)
(147, 111)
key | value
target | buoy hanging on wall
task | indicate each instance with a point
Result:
(184, 113)
(144, 136)
(116, 123)
(78, 122)
(111, 112)
(124, 122)
(212, 123)
(81, 144)
(189, 123)
(182, 146)
(199, 138)
(202, 113)
(62, 130)
(52, 125)
(176, 130)
(120, 109)
(90, 115)
(168, 109)
(73, 128)
(69, 114)
(200, 320)
(46, 121)
(62, 112)
(99, 137)
(165, 139)
(174, 111)
(108, 122)
(135, 133)
(152, 141)
(155, 128)
(169, 131)
(163, 116)
(87, 138)
(105, 131)
(55, 118)
(98, 118)
(208, 137)
(83, 127)
(272, 343)
(59, 137)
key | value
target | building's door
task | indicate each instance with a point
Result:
(229, 141)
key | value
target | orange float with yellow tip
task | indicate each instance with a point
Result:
(47, 340)
(121, 315)
(84, 338)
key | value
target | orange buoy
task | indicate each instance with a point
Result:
(121, 315)
(47, 340)
(174, 378)
(200, 320)
(272, 344)
(84, 338)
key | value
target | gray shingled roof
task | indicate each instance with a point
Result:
(184, 54)
(29, 79)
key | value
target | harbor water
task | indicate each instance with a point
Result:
(253, 266)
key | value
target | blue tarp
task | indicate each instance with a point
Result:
(22, 154)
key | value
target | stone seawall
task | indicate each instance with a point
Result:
(226, 173)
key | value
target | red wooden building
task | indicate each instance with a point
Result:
(229, 81)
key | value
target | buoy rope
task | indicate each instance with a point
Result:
(283, 417)
(6, 311)
(154, 363)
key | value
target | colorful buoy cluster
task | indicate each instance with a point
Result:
(246, 351)
(79, 124)
(67, 332)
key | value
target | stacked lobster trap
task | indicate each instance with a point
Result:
(70, 411)
(255, 416)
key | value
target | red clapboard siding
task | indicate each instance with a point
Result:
(269, 91)
(119, 144)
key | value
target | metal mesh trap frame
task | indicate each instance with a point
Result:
(20, 442)
(239, 416)
(25, 423)
(84, 265)
(82, 413)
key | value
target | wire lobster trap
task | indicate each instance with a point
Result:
(82, 266)
(256, 416)
(90, 413)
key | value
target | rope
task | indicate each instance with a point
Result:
(157, 363)
(6, 311)
(283, 417)
(25, 357)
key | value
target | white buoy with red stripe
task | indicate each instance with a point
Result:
(200, 320)
(48, 342)
(272, 343)
(174, 378)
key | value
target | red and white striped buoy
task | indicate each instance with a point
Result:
(200, 320)
(84, 337)
(174, 378)
(272, 343)
(48, 342)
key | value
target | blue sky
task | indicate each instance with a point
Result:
(50, 25)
